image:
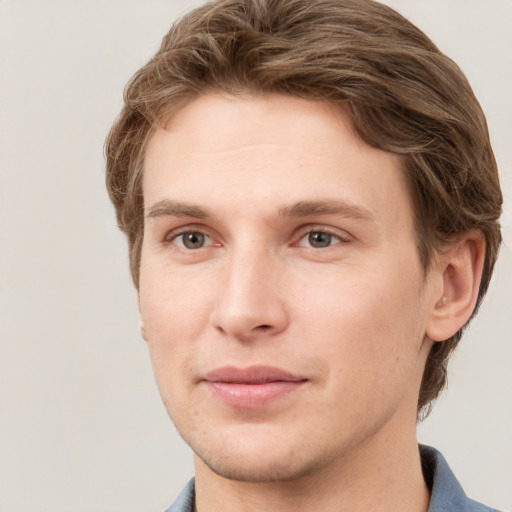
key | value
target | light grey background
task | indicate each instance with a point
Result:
(82, 428)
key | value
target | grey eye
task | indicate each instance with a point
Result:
(319, 239)
(191, 240)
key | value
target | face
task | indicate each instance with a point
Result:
(281, 293)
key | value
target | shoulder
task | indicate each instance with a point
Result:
(474, 506)
(185, 500)
(447, 494)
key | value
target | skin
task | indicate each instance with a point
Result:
(255, 180)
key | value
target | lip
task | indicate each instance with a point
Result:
(252, 387)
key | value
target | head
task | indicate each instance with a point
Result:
(400, 93)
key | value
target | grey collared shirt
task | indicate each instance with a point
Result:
(447, 494)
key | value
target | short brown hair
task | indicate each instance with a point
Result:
(403, 94)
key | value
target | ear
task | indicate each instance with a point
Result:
(460, 269)
(142, 328)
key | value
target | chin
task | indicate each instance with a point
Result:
(260, 470)
(258, 458)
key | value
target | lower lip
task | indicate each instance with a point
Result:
(252, 395)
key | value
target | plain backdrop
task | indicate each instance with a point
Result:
(82, 428)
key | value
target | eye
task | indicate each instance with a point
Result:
(319, 239)
(192, 240)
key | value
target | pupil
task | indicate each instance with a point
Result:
(319, 239)
(193, 240)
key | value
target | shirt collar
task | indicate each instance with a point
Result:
(447, 494)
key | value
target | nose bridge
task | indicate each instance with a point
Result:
(249, 297)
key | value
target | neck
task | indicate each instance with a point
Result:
(382, 474)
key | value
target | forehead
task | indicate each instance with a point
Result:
(267, 151)
(221, 122)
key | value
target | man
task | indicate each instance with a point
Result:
(311, 203)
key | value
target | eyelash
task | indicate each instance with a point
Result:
(330, 233)
(172, 237)
(307, 232)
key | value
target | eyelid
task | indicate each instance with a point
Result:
(171, 235)
(207, 241)
(340, 234)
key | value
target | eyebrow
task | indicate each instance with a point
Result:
(170, 208)
(327, 207)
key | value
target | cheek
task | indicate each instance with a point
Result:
(174, 312)
(172, 302)
(367, 325)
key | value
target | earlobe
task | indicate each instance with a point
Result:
(142, 328)
(460, 267)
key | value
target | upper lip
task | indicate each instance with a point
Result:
(257, 374)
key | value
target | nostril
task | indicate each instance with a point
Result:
(263, 327)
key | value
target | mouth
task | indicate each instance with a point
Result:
(252, 387)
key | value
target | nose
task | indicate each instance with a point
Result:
(250, 298)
